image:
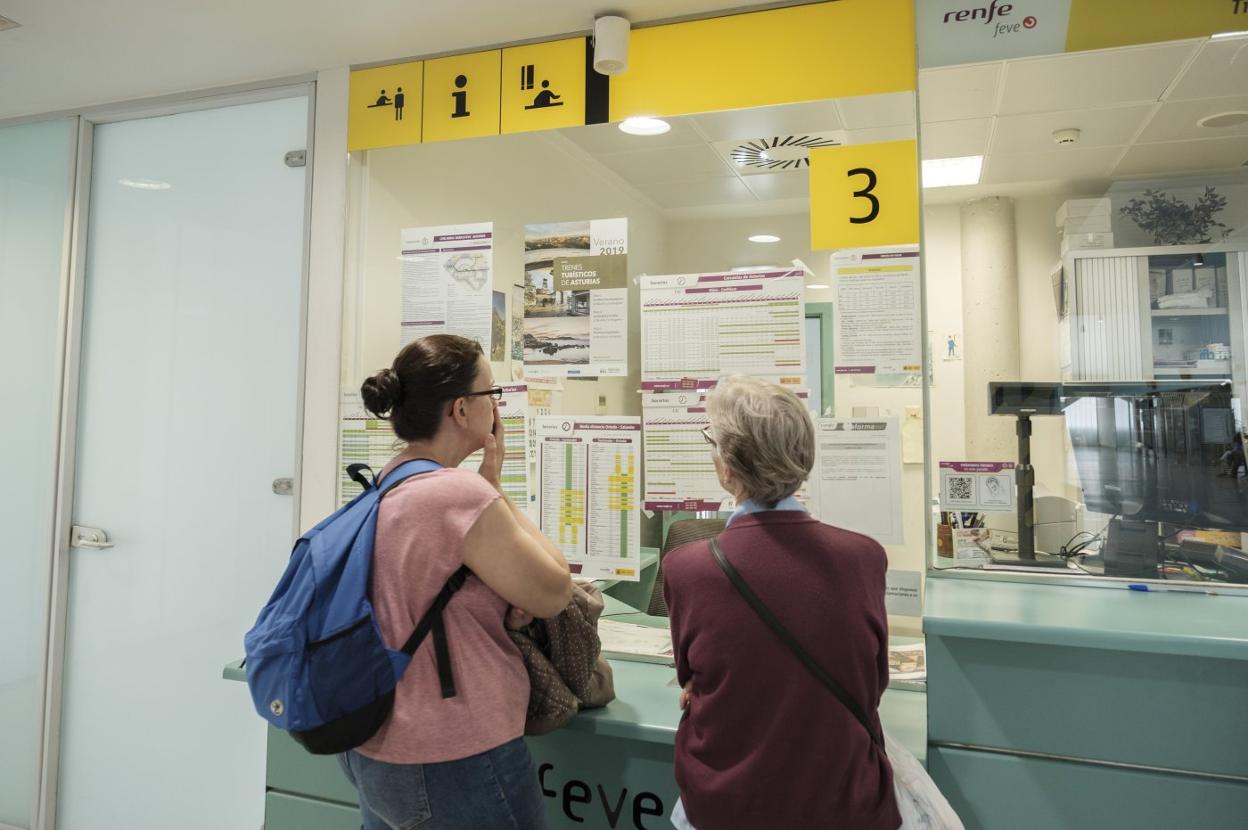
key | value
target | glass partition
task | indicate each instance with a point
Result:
(36, 182)
(1086, 292)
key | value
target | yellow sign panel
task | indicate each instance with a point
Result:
(1101, 24)
(778, 56)
(461, 96)
(544, 86)
(384, 106)
(864, 195)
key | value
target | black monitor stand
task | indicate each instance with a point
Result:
(1025, 477)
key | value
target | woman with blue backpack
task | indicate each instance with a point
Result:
(455, 762)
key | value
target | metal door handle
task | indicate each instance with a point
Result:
(88, 537)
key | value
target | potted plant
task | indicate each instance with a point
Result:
(1171, 221)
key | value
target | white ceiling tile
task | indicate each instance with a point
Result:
(792, 184)
(877, 110)
(959, 92)
(1183, 157)
(1069, 164)
(1086, 80)
(1221, 68)
(697, 192)
(609, 138)
(666, 163)
(876, 134)
(788, 119)
(953, 139)
(1176, 120)
(1033, 133)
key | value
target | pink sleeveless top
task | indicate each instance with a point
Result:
(421, 527)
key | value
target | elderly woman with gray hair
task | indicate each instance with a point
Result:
(763, 743)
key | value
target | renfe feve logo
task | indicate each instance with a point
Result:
(993, 14)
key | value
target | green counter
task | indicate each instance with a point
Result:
(609, 768)
(1064, 706)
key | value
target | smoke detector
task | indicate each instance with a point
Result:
(1067, 136)
(6, 24)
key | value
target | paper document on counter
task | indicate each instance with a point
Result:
(878, 313)
(631, 641)
(447, 274)
(908, 662)
(856, 482)
(589, 478)
(707, 325)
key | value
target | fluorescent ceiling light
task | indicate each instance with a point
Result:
(764, 237)
(757, 268)
(952, 172)
(641, 125)
(816, 285)
(1227, 35)
(145, 184)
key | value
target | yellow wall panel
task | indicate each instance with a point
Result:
(1100, 24)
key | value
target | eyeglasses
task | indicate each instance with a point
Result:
(495, 392)
(706, 433)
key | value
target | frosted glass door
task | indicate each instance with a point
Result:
(187, 415)
(36, 163)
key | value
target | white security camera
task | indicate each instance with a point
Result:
(611, 44)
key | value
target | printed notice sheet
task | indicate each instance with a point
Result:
(513, 409)
(576, 299)
(856, 483)
(363, 439)
(979, 486)
(447, 277)
(589, 472)
(706, 325)
(878, 327)
(680, 474)
(640, 643)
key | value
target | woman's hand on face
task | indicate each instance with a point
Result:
(491, 468)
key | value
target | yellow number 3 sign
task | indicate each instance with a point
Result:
(864, 196)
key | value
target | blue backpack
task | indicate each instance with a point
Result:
(316, 663)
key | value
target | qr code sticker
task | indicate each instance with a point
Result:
(960, 489)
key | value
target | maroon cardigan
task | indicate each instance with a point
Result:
(763, 743)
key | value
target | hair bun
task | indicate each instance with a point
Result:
(382, 392)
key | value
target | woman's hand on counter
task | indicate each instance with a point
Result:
(517, 618)
(686, 695)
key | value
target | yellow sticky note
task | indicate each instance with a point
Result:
(864, 195)
(461, 96)
(544, 86)
(384, 106)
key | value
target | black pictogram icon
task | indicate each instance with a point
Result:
(399, 97)
(383, 100)
(543, 99)
(461, 97)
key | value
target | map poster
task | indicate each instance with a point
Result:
(517, 323)
(446, 273)
(576, 299)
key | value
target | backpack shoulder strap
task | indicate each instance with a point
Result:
(432, 621)
(405, 471)
(783, 633)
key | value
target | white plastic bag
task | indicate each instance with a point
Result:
(921, 804)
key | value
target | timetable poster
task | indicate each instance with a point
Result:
(680, 474)
(706, 325)
(363, 439)
(878, 316)
(576, 299)
(446, 272)
(513, 410)
(589, 474)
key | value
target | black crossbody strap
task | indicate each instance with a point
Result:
(809, 662)
(432, 621)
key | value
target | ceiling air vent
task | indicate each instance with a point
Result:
(776, 153)
(5, 24)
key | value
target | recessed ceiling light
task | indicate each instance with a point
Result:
(740, 268)
(145, 184)
(1224, 119)
(1227, 35)
(816, 285)
(641, 125)
(764, 237)
(6, 24)
(952, 172)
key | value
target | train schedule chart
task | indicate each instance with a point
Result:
(589, 477)
(706, 325)
(680, 474)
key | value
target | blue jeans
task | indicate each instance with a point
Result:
(496, 790)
